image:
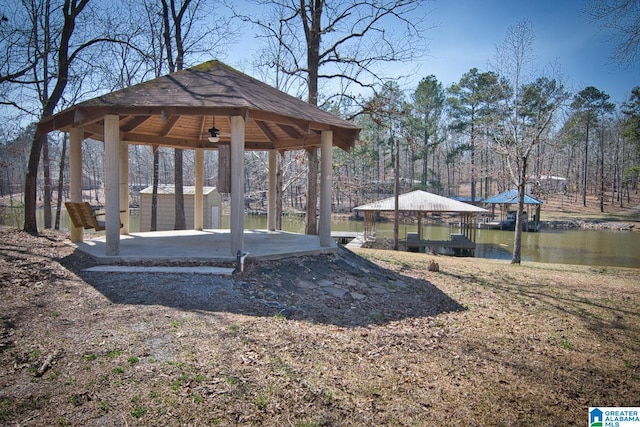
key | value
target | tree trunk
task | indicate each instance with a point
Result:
(61, 182)
(30, 184)
(154, 193)
(396, 193)
(46, 174)
(70, 11)
(180, 222)
(517, 240)
(279, 192)
(311, 223)
(312, 35)
(425, 166)
(584, 169)
(602, 172)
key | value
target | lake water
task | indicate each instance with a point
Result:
(585, 247)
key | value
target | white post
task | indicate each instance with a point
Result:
(124, 187)
(198, 220)
(326, 160)
(112, 183)
(271, 197)
(237, 185)
(75, 165)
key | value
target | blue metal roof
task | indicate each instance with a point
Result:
(511, 198)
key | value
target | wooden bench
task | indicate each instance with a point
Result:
(83, 216)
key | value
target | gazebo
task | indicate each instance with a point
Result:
(207, 107)
(507, 218)
(421, 203)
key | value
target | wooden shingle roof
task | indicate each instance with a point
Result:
(177, 110)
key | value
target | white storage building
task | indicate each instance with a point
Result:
(211, 207)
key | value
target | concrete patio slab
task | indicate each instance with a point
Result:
(218, 271)
(206, 246)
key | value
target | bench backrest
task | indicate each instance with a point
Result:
(82, 215)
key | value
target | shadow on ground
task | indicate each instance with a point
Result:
(341, 289)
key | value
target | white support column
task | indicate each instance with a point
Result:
(237, 185)
(75, 165)
(271, 197)
(198, 220)
(326, 177)
(124, 187)
(112, 183)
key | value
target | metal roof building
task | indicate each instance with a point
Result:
(511, 198)
(507, 219)
(422, 202)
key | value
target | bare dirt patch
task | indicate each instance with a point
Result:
(311, 341)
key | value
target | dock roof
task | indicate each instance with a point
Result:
(511, 198)
(421, 201)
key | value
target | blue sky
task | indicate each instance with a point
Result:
(465, 34)
(468, 32)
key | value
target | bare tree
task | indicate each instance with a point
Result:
(528, 113)
(622, 19)
(55, 37)
(185, 32)
(320, 41)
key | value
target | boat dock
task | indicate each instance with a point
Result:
(459, 244)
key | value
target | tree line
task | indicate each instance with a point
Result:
(448, 145)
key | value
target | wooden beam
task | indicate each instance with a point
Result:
(169, 125)
(134, 123)
(57, 122)
(289, 130)
(140, 138)
(83, 117)
(203, 125)
(265, 130)
(255, 145)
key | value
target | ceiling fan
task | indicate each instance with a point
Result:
(214, 133)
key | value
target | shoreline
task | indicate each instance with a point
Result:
(589, 225)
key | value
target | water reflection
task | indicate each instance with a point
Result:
(585, 247)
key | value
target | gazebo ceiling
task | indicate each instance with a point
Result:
(177, 110)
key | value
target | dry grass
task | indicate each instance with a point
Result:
(532, 345)
(559, 207)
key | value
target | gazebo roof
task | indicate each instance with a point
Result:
(422, 201)
(178, 109)
(510, 197)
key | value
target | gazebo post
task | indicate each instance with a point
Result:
(198, 221)
(326, 160)
(124, 187)
(112, 183)
(271, 196)
(237, 185)
(76, 135)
